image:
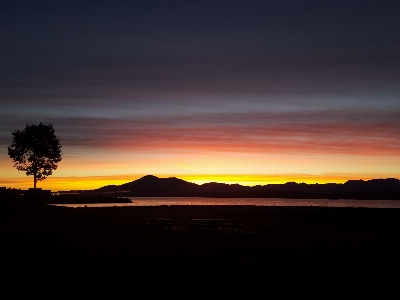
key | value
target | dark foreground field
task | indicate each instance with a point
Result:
(282, 252)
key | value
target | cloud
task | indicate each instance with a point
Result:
(338, 132)
(58, 79)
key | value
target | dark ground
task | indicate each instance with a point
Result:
(282, 252)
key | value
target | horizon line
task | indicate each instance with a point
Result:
(343, 181)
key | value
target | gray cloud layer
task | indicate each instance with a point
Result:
(221, 75)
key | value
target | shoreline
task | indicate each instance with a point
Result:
(91, 201)
(279, 253)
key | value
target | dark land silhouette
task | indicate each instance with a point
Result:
(152, 186)
(282, 252)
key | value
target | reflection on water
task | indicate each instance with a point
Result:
(157, 201)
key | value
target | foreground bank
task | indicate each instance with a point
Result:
(282, 251)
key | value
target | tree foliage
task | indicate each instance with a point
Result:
(36, 150)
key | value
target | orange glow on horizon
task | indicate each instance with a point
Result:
(93, 182)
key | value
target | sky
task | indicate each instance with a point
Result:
(248, 92)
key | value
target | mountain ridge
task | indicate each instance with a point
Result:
(152, 186)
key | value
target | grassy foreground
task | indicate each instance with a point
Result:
(282, 252)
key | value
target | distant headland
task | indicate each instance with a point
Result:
(152, 186)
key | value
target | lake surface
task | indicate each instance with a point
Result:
(158, 201)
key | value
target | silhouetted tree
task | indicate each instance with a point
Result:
(36, 150)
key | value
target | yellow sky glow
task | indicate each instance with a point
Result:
(93, 182)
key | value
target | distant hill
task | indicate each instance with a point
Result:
(152, 186)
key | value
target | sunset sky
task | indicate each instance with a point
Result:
(249, 92)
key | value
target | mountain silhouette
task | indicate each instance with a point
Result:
(152, 186)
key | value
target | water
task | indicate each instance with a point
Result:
(158, 201)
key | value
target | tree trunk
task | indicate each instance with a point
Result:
(34, 180)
